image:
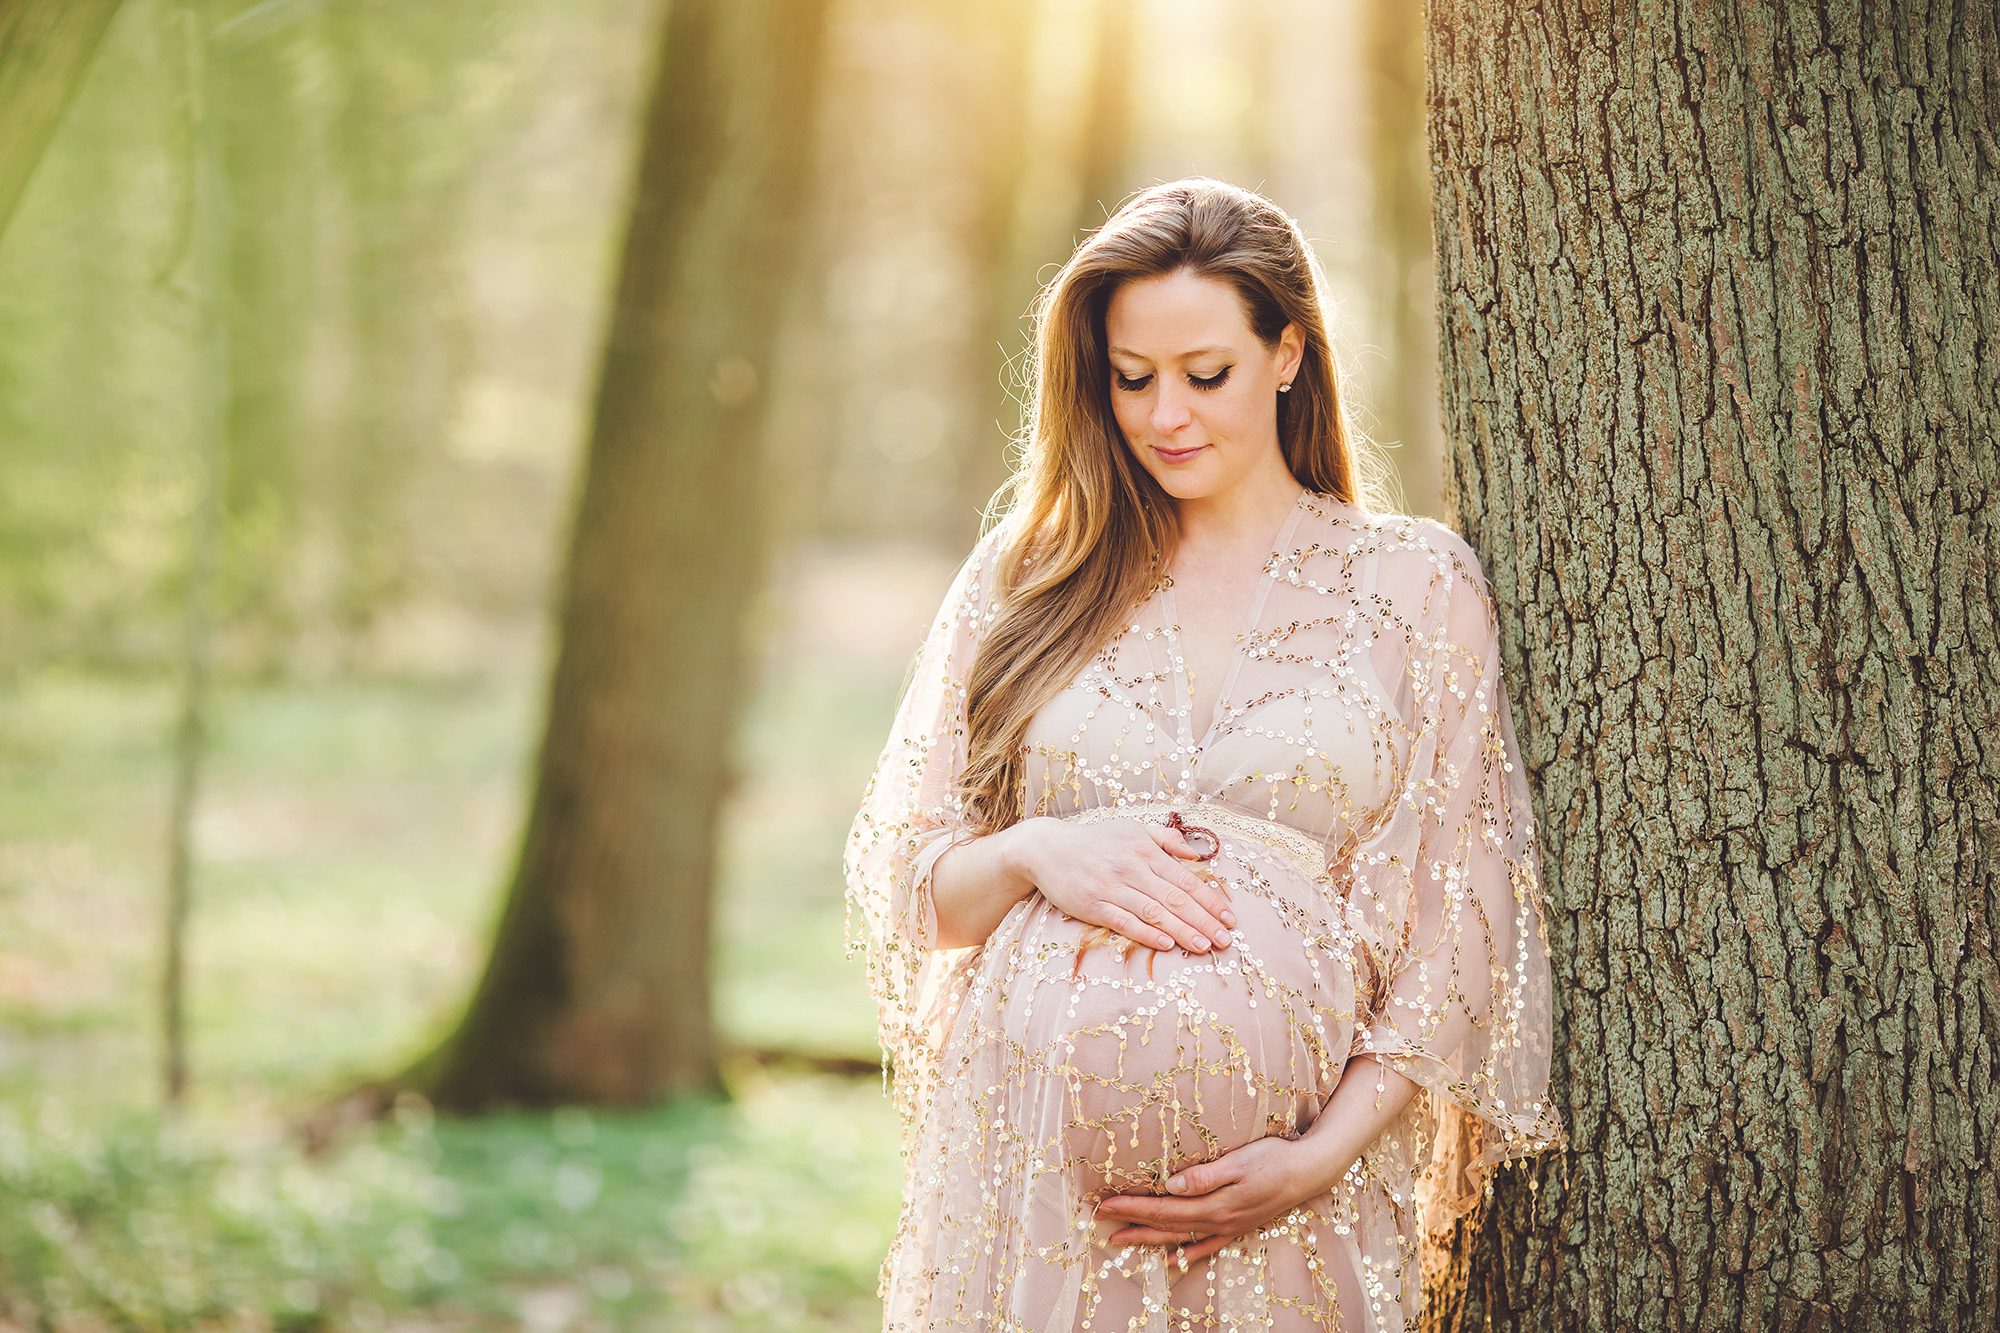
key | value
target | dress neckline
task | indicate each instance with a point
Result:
(1239, 651)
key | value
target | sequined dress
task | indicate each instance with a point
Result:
(1361, 772)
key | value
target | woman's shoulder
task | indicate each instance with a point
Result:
(978, 580)
(1411, 551)
(1382, 527)
(1000, 538)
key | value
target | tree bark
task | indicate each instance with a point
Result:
(1720, 317)
(597, 989)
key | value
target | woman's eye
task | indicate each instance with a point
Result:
(1214, 381)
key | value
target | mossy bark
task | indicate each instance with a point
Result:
(1720, 339)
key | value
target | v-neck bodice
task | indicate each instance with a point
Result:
(1301, 729)
(1198, 724)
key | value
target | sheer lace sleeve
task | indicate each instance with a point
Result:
(1454, 891)
(911, 815)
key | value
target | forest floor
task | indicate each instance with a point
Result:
(353, 839)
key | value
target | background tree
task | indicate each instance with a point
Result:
(1721, 311)
(1105, 137)
(994, 87)
(268, 70)
(598, 987)
(1402, 276)
(394, 209)
(45, 45)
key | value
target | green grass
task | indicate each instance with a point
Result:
(352, 841)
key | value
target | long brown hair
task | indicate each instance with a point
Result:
(1092, 531)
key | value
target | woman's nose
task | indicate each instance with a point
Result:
(1170, 410)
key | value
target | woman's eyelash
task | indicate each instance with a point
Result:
(1215, 381)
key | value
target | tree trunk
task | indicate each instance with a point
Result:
(1258, 32)
(598, 985)
(996, 41)
(1720, 322)
(45, 46)
(1402, 277)
(396, 357)
(207, 216)
(1105, 166)
(273, 158)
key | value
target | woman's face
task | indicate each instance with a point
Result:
(1195, 393)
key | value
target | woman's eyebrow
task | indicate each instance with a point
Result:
(1185, 356)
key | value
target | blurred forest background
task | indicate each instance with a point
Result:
(339, 403)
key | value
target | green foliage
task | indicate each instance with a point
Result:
(387, 218)
(352, 839)
(761, 1213)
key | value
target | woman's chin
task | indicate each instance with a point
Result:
(1187, 483)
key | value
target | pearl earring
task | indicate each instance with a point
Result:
(1284, 388)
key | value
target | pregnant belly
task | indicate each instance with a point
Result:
(1137, 1063)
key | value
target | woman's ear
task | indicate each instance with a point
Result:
(1293, 344)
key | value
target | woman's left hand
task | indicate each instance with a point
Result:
(1218, 1201)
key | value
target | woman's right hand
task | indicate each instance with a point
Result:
(1129, 876)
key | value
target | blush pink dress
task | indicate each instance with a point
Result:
(1361, 773)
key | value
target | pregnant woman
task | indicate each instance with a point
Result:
(1198, 880)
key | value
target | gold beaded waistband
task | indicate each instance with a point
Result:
(1300, 850)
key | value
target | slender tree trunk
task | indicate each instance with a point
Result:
(45, 47)
(1720, 322)
(206, 219)
(598, 985)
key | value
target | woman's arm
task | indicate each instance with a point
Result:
(1217, 1202)
(1122, 875)
(975, 884)
(1368, 1096)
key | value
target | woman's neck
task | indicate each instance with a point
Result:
(1244, 517)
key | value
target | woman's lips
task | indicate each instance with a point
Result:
(1178, 455)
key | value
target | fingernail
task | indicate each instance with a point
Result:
(1177, 1184)
(1222, 941)
(1228, 918)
